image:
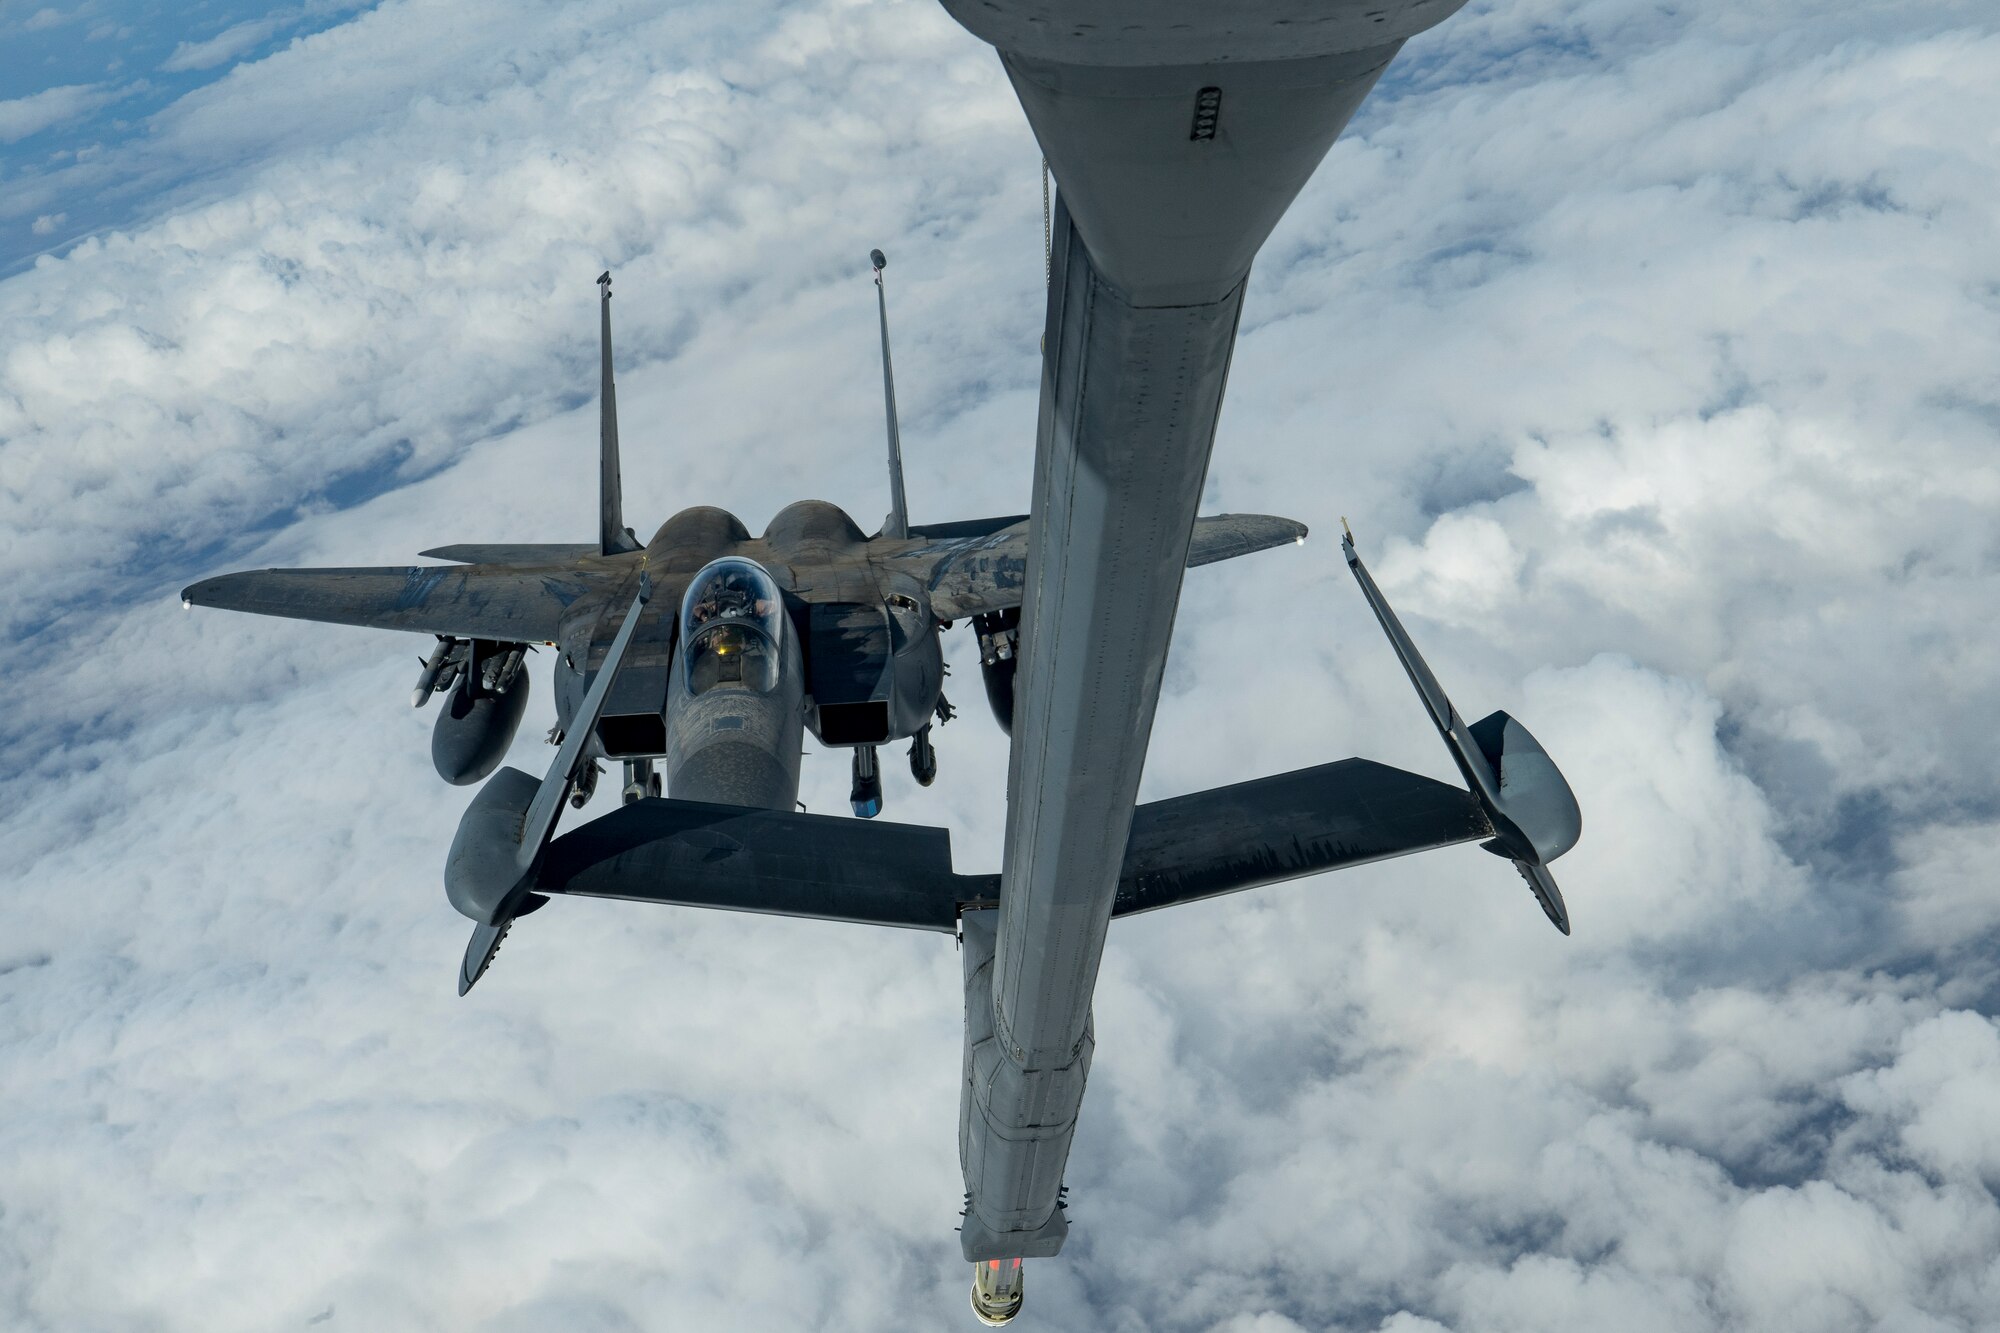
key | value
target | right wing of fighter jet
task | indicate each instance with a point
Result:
(980, 566)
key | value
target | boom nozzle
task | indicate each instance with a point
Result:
(996, 1291)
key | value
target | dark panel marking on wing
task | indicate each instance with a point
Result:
(422, 581)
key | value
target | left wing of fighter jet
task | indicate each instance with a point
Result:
(980, 566)
(509, 603)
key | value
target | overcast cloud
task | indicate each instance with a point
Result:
(1652, 351)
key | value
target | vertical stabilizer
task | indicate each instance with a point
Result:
(1534, 814)
(897, 524)
(613, 535)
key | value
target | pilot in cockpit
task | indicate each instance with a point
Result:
(731, 594)
(731, 626)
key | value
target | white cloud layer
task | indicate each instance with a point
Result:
(235, 40)
(1651, 351)
(23, 116)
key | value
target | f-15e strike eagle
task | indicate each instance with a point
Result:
(705, 651)
(1178, 132)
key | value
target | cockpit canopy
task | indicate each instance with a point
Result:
(731, 621)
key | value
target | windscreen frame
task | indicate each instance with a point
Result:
(731, 626)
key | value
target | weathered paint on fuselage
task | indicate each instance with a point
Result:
(735, 746)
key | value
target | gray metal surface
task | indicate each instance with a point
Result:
(780, 862)
(1171, 219)
(469, 601)
(1179, 133)
(986, 569)
(1015, 1146)
(1184, 849)
(492, 861)
(1179, 130)
(1278, 828)
(1116, 33)
(474, 728)
(897, 524)
(1523, 794)
(736, 747)
(613, 537)
(527, 593)
(1129, 403)
(513, 553)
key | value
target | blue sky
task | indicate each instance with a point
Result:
(81, 85)
(1651, 349)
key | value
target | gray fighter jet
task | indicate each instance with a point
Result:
(705, 651)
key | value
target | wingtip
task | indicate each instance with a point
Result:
(206, 592)
(1543, 885)
(479, 952)
(1226, 536)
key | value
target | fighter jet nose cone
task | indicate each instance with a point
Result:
(996, 1291)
